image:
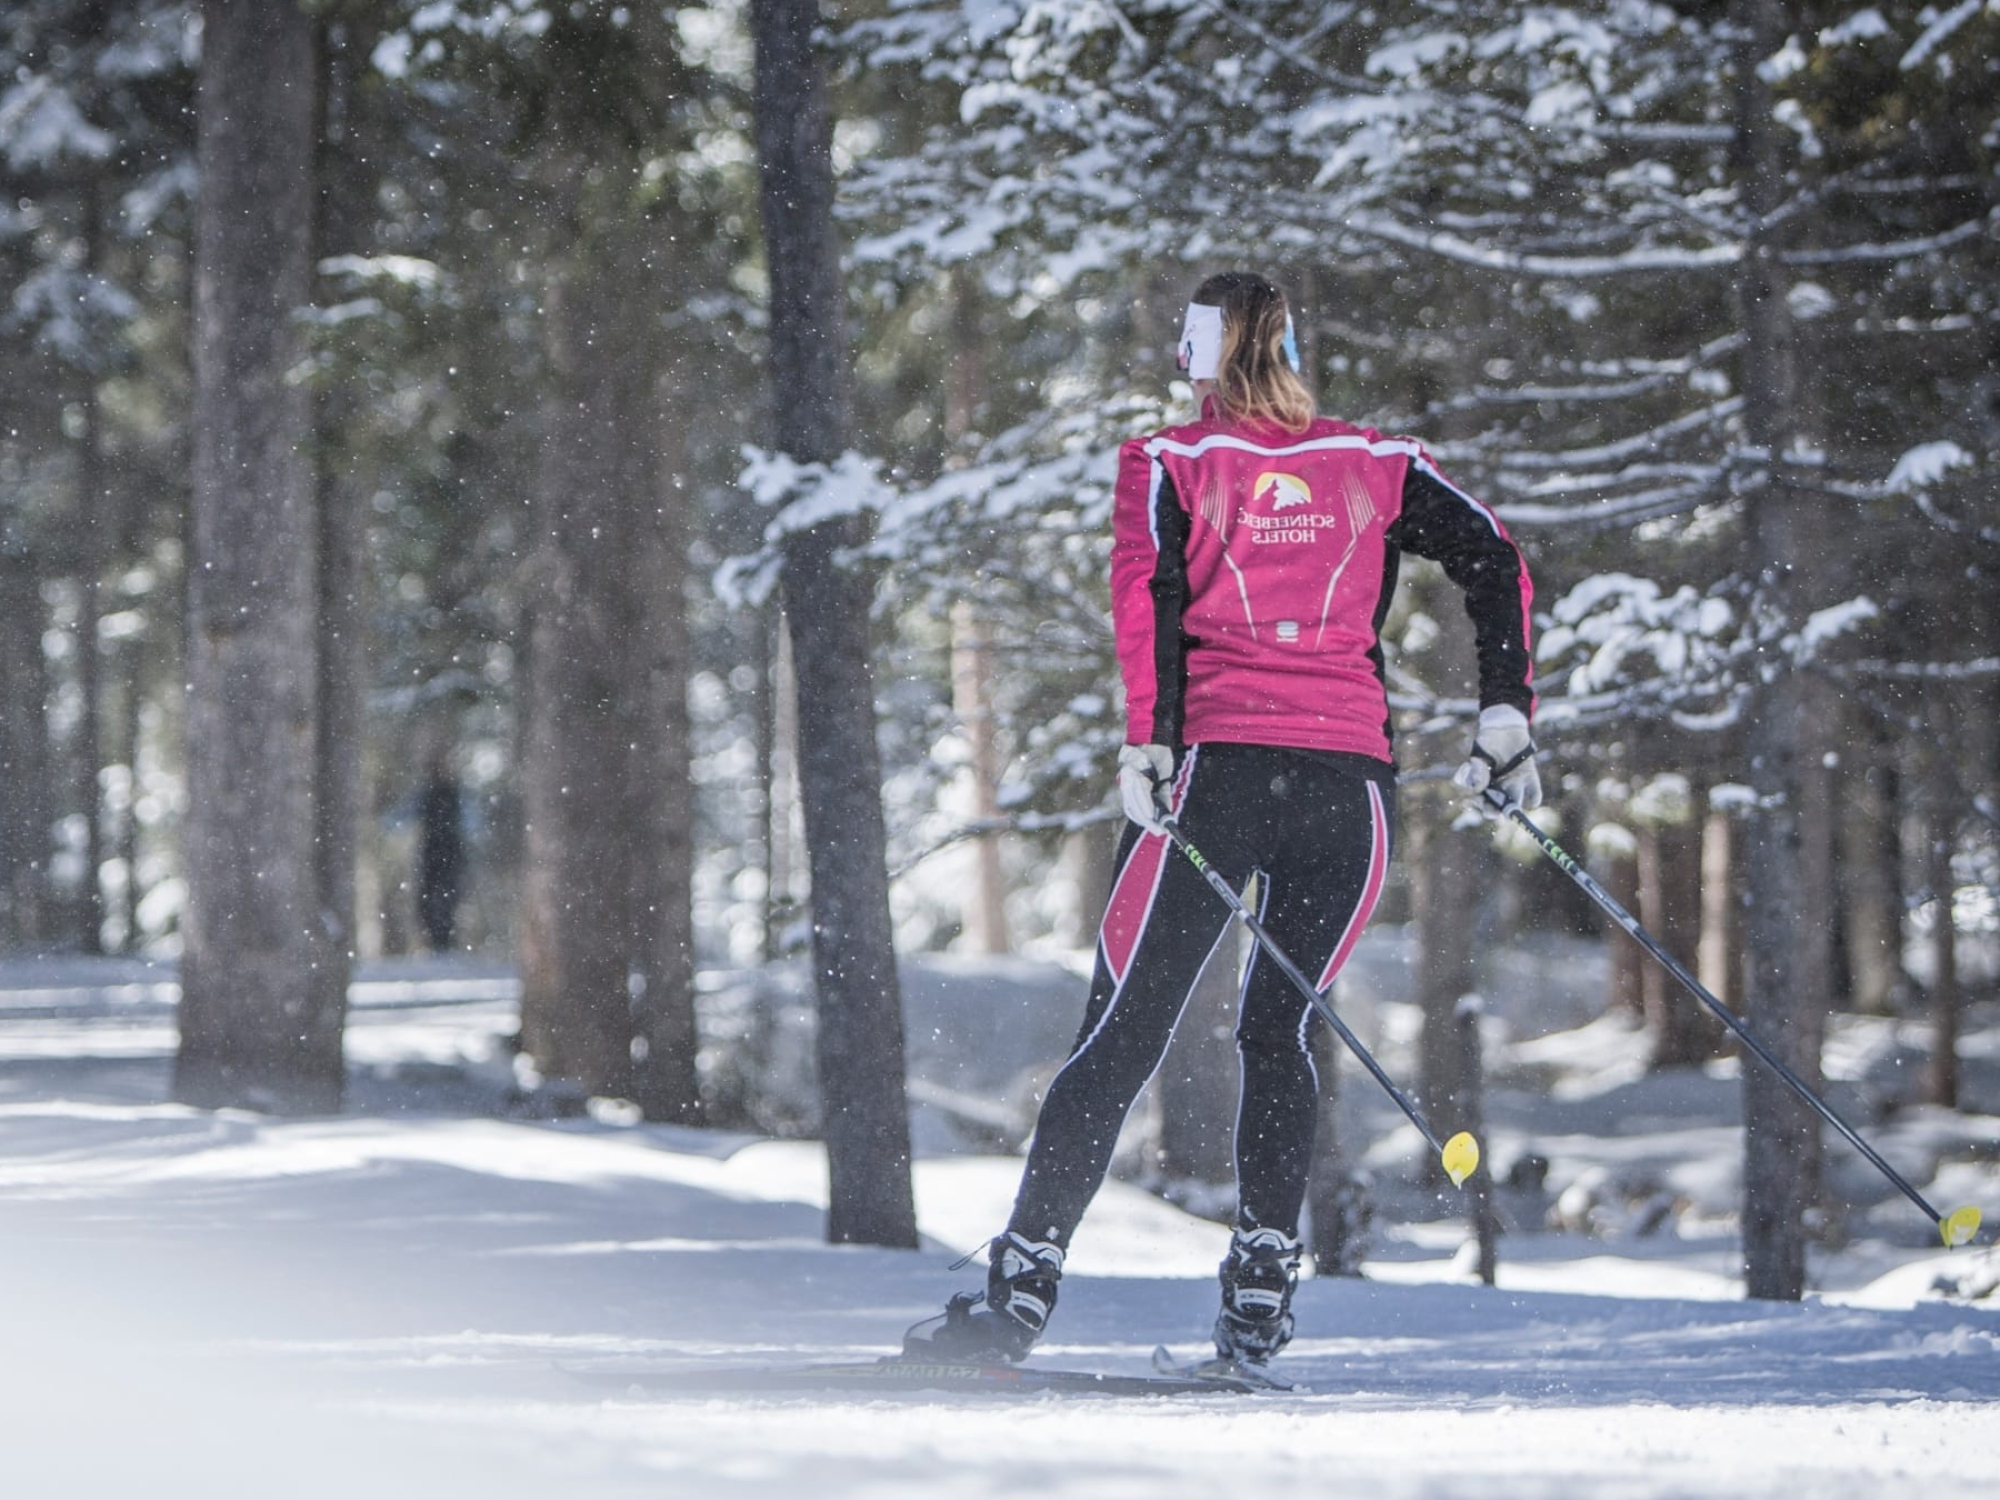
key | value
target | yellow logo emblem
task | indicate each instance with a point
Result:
(1284, 490)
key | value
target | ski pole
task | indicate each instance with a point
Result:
(1955, 1228)
(1460, 1154)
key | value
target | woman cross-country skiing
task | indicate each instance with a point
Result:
(1253, 557)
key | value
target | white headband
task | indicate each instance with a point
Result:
(1200, 355)
(1201, 342)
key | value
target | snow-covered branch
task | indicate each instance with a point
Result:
(1638, 444)
(1665, 133)
(1600, 515)
(1938, 33)
(1644, 261)
(1975, 670)
(1920, 472)
(1925, 466)
(1536, 395)
(803, 496)
(41, 128)
(1930, 244)
(1347, 83)
(1927, 503)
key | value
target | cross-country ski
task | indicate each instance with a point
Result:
(891, 1375)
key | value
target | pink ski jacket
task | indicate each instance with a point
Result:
(1251, 570)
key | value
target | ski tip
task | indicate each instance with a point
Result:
(1461, 1157)
(1959, 1226)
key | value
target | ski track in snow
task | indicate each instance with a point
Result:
(391, 1302)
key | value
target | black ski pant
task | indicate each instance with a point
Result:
(1317, 829)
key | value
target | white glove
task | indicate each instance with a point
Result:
(1503, 757)
(1142, 771)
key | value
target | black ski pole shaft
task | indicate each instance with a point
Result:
(1451, 1154)
(1954, 1227)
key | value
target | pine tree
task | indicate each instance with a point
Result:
(253, 1030)
(865, 1116)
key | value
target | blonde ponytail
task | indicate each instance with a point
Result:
(1254, 379)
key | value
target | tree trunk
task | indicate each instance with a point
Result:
(252, 1032)
(860, 1046)
(1470, 1114)
(1670, 908)
(131, 717)
(1944, 997)
(1720, 960)
(1940, 839)
(1785, 856)
(778, 755)
(1871, 861)
(93, 518)
(346, 192)
(588, 816)
(827, 602)
(1617, 870)
(763, 714)
(663, 900)
(607, 1000)
(1449, 874)
(1786, 982)
(985, 913)
(27, 803)
(985, 908)
(337, 750)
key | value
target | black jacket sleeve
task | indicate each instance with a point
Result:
(1442, 522)
(1169, 589)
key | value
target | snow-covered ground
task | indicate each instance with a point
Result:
(392, 1302)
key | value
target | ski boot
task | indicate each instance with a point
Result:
(1258, 1275)
(1021, 1282)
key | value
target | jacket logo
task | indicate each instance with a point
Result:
(1284, 490)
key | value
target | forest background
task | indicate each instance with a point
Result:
(637, 423)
